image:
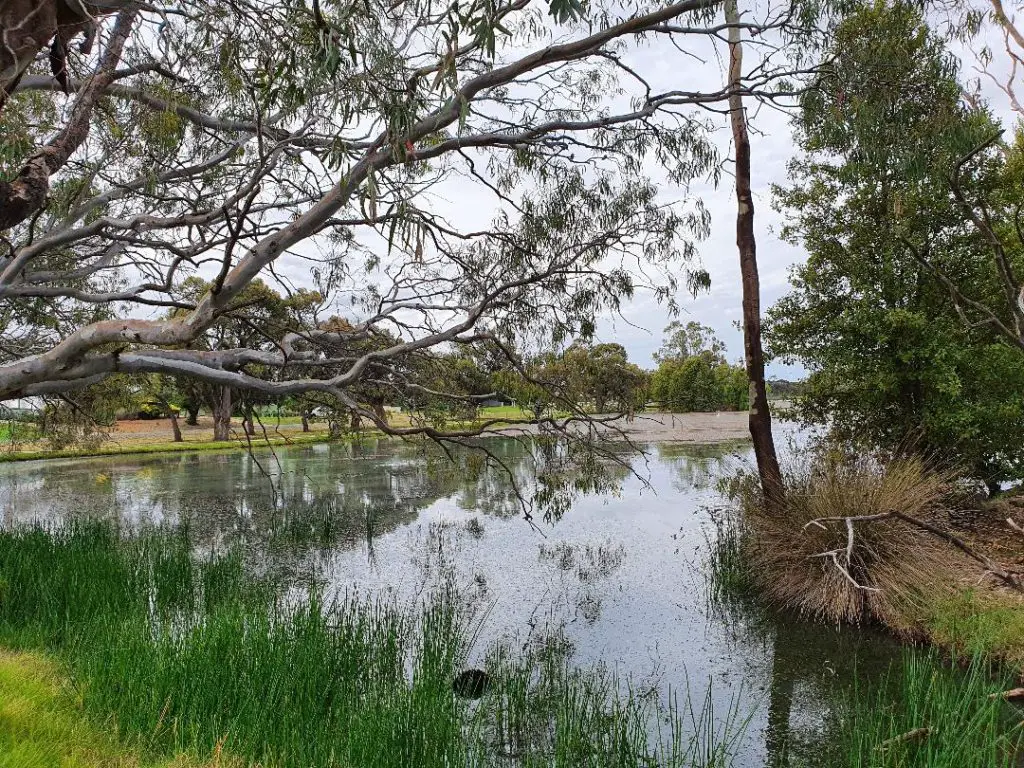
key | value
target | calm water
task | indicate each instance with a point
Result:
(621, 576)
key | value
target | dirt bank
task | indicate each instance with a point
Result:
(695, 428)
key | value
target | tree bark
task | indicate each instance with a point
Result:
(174, 427)
(193, 415)
(760, 416)
(221, 408)
(26, 194)
(305, 421)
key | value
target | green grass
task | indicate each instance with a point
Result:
(928, 717)
(133, 447)
(973, 622)
(42, 724)
(182, 655)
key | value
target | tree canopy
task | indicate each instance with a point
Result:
(252, 141)
(693, 374)
(893, 364)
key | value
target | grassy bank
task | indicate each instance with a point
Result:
(178, 655)
(123, 444)
(140, 447)
(940, 707)
(43, 725)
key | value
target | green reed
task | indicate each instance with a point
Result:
(928, 716)
(182, 652)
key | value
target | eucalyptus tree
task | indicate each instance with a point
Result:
(893, 364)
(759, 416)
(315, 146)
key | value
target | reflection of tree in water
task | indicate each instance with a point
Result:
(697, 466)
(292, 500)
(810, 669)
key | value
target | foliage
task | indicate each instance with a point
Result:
(206, 657)
(601, 374)
(693, 375)
(85, 417)
(690, 340)
(593, 377)
(891, 360)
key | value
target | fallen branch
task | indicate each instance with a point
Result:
(1014, 694)
(917, 734)
(1013, 524)
(1009, 578)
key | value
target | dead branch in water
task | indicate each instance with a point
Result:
(915, 735)
(1011, 579)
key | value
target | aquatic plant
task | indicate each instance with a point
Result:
(176, 651)
(925, 716)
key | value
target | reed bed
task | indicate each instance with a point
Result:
(927, 716)
(178, 652)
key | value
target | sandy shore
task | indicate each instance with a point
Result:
(703, 428)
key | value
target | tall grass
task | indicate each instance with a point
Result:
(929, 717)
(179, 652)
(890, 566)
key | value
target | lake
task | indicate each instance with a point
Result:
(620, 578)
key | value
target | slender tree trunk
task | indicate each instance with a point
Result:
(193, 415)
(760, 416)
(305, 421)
(379, 412)
(247, 422)
(222, 415)
(174, 426)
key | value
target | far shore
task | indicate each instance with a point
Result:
(155, 436)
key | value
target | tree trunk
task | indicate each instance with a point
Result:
(305, 421)
(247, 422)
(174, 426)
(760, 416)
(222, 415)
(379, 412)
(193, 415)
(357, 422)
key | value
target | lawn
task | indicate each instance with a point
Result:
(43, 723)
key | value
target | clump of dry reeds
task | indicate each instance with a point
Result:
(814, 568)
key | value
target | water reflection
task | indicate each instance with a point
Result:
(619, 579)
